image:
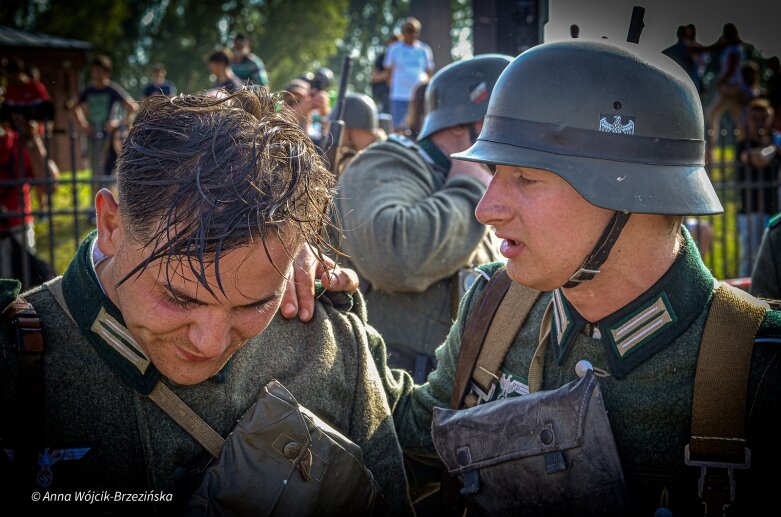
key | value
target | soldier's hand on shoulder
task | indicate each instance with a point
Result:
(299, 297)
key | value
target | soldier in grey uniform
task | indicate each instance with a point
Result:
(361, 127)
(598, 152)
(408, 215)
(164, 371)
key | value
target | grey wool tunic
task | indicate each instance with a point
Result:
(409, 228)
(95, 396)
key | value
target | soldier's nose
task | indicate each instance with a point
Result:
(210, 337)
(489, 210)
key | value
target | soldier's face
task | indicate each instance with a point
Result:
(191, 339)
(547, 228)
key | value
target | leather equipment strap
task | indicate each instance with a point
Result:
(499, 313)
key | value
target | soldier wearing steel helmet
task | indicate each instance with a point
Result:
(598, 152)
(408, 211)
(361, 127)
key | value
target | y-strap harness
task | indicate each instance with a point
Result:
(718, 431)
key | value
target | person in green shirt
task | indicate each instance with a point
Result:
(246, 65)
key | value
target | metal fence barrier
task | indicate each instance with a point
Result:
(21, 254)
(728, 242)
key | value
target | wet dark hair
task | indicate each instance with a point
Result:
(200, 176)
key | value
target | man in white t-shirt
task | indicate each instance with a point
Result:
(409, 62)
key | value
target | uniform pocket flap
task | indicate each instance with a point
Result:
(518, 427)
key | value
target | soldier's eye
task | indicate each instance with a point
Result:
(525, 181)
(177, 302)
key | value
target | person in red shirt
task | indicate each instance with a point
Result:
(15, 164)
(30, 107)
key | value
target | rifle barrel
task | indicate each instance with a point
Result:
(347, 66)
(636, 24)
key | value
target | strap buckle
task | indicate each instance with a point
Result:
(713, 489)
(481, 395)
(578, 276)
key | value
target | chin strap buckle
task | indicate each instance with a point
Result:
(581, 275)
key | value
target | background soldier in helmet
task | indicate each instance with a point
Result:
(598, 152)
(361, 128)
(408, 212)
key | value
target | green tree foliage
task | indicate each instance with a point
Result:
(291, 36)
(370, 24)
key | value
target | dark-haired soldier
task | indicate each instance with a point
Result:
(161, 336)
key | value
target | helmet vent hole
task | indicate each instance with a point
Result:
(617, 105)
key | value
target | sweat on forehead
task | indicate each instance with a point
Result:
(199, 176)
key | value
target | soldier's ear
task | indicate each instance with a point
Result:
(108, 221)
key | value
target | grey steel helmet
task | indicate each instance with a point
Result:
(624, 130)
(322, 78)
(360, 112)
(458, 94)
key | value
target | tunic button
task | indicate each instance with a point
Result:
(462, 457)
(291, 450)
(582, 366)
(546, 435)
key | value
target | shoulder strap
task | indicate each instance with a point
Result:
(30, 396)
(718, 432)
(55, 287)
(499, 313)
(162, 395)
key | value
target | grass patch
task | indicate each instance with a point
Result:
(59, 235)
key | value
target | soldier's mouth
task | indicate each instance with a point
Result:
(510, 248)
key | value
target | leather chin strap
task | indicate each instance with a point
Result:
(601, 250)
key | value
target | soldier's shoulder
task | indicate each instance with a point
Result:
(393, 156)
(397, 144)
(9, 290)
(486, 273)
(402, 141)
(770, 330)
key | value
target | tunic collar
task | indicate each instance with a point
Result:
(642, 328)
(102, 324)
